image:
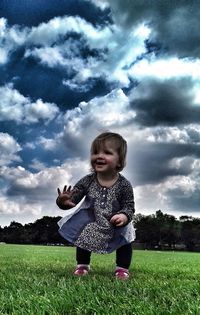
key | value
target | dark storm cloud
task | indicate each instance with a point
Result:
(32, 13)
(31, 194)
(153, 162)
(167, 103)
(194, 135)
(184, 201)
(175, 24)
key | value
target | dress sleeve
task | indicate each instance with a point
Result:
(127, 200)
(81, 188)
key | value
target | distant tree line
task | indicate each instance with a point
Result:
(163, 231)
(157, 231)
(42, 231)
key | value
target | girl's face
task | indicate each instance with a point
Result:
(105, 159)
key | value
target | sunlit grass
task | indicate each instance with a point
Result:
(38, 280)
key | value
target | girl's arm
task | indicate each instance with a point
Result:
(69, 198)
(127, 201)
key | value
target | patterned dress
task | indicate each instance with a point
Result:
(89, 225)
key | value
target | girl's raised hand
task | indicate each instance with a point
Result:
(64, 197)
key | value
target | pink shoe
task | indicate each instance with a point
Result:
(81, 270)
(121, 273)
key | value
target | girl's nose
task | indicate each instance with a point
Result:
(100, 154)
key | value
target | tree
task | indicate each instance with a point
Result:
(42, 231)
(169, 229)
(190, 233)
(1, 234)
(147, 232)
(13, 233)
(45, 231)
(159, 230)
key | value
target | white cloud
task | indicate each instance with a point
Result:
(117, 50)
(48, 144)
(9, 149)
(107, 111)
(50, 56)
(39, 110)
(102, 4)
(37, 165)
(15, 107)
(19, 206)
(28, 195)
(3, 56)
(30, 145)
(150, 198)
(41, 185)
(166, 68)
(181, 135)
(48, 33)
(83, 123)
(121, 49)
(10, 39)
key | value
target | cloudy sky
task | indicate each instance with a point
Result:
(70, 69)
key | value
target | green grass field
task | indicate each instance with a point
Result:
(38, 280)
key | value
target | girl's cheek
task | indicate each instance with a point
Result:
(92, 162)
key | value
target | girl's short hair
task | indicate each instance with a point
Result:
(119, 143)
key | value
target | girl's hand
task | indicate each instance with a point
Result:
(119, 219)
(64, 197)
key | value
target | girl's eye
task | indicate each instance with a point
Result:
(108, 152)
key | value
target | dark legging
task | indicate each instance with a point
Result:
(123, 256)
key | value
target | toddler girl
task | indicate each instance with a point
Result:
(102, 223)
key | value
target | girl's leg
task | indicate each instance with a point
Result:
(82, 256)
(124, 256)
(83, 261)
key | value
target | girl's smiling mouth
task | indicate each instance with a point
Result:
(100, 162)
